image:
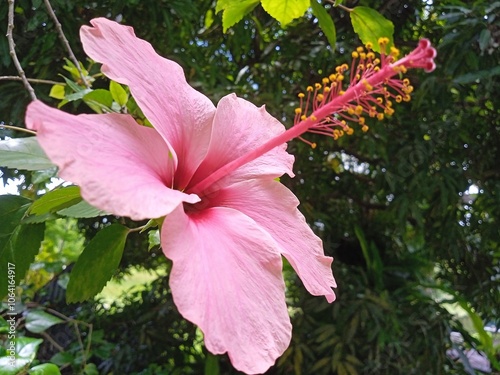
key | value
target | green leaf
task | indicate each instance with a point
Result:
(96, 265)
(56, 200)
(23, 153)
(100, 100)
(82, 210)
(234, 11)
(153, 238)
(17, 253)
(285, 10)
(209, 18)
(118, 93)
(325, 22)
(45, 369)
(9, 368)
(57, 92)
(12, 210)
(212, 365)
(27, 347)
(370, 25)
(38, 321)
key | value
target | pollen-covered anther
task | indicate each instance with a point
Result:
(301, 95)
(321, 97)
(365, 128)
(298, 111)
(368, 87)
(380, 116)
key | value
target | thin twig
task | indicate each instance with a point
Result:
(65, 42)
(18, 129)
(12, 50)
(32, 80)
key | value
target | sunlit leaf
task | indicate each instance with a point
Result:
(285, 10)
(118, 93)
(370, 25)
(57, 92)
(44, 369)
(96, 265)
(23, 153)
(234, 11)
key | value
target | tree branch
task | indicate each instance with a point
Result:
(12, 51)
(65, 42)
(32, 80)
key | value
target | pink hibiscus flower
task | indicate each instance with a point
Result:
(210, 171)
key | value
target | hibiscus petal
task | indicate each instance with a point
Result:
(239, 128)
(226, 278)
(274, 208)
(122, 167)
(182, 115)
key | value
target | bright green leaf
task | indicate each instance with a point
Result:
(23, 153)
(285, 10)
(45, 369)
(12, 210)
(96, 265)
(57, 92)
(234, 11)
(81, 210)
(118, 93)
(370, 25)
(100, 100)
(325, 22)
(38, 321)
(56, 200)
(209, 18)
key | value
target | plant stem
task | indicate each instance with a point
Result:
(12, 50)
(65, 42)
(17, 128)
(32, 80)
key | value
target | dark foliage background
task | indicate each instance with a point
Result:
(394, 206)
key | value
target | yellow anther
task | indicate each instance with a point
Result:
(344, 67)
(301, 95)
(361, 66)
(340, 78)
(325, 81)
(326, 89)
(349, 130)
(298, 111)
(341, 133)
(343, 123)
(317, 86)
(303, 117)
(376, 69)
(332, 77)
(369, 45)
(320, 97)
(360, 49)
(372, 112)
(394, 52)
(388, 111)
(399, 98)
(380, 100)
(358, 76)
(388, 103)
(358, 110)
(312, 118)
(354, 55)
(365, 128)
(403, 69)
(376, 61)
(350, 111)
(362, 56)
(338, 69)
(361, 120)
(380, 116)
(309, 88)
(383, 41)
(408, 89)
(407, 98)
(370, 55)
(406, 81)
(341, 92)
(313, 145)
(368, 87)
